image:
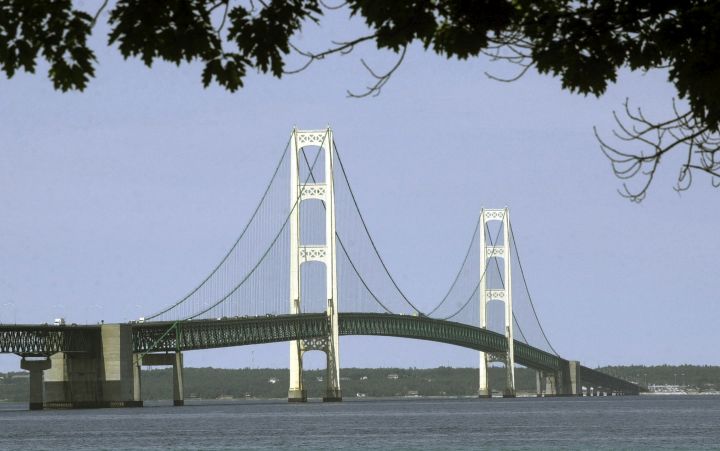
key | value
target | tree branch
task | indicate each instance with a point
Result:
(97, 14)
(342, 48)
(381, 79)
(681, 130)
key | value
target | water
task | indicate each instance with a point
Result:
(644, 422)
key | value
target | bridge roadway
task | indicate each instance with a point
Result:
(204, 334)
(153, 337)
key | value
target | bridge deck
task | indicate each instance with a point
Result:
(36, 340)
(203, 334)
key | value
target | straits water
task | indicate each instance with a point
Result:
(632, 422)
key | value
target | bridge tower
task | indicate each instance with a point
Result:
(503, 294)
(301, 253)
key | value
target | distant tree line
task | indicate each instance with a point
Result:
(211, 383)
(704, 378)
(214, 383)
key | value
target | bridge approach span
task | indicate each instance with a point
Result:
(36, 340)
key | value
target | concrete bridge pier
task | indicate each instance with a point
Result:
(100, 377)
(178, 386)
(569, 383)
(540, 383)
(176, 361)
(36, 368)
(137, 381)
(550, 385)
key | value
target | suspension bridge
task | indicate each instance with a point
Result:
(306, 270)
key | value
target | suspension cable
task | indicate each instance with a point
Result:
(237, 241)
(457, 276)
(362, 280)
(482, 276)
(262, 258)
(347, 254)
(367, 231)
(472, 295)
(522, 273)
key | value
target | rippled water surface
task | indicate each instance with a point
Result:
(648, 422)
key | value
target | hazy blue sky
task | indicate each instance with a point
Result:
(114, 202)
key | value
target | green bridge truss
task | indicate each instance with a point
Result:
(203, 334)
(38, 340)
(45, 340)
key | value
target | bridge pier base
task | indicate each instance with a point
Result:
(36, 368)
(332, 396)
(569, 383)
(297, 395)
(101, 377)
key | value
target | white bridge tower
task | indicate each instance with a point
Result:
(301, 190)
(503, 294)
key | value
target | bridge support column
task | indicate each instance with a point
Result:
(502, 294)
(570, 383)
(484, 391)
(296, 392)
(551, 384)
(176, 361)
(116, 366)
(322, 190)
(137, 378)
(509, 391)
(178, 391)
(36, 368)
(539, 383)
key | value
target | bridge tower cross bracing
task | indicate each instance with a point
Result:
(503, 295)
(301, 190)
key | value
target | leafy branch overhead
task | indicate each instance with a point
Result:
(583, 43)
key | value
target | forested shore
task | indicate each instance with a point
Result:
(214, 383)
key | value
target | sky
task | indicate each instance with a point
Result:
(116, 201)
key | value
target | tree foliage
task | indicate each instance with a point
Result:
(582, 42)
